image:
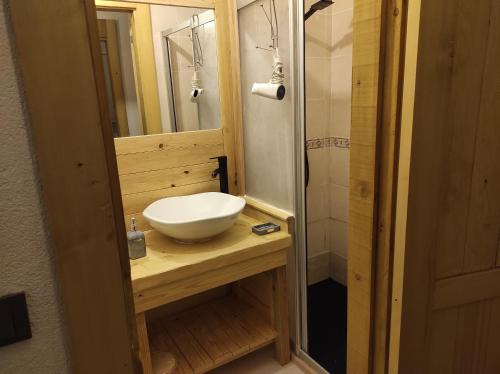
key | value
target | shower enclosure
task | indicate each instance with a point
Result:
(323, 193)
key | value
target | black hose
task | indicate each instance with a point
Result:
(307, 168)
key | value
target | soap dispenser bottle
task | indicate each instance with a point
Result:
(136, 243)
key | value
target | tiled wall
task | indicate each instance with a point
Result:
(328, 111)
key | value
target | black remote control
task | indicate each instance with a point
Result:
(265, 228)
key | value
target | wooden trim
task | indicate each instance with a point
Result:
(268, 213)
(279, 314)
(268, 209)
(226, 24)
(79, 178)
(466, 289)
(144, 61)
(166, 293)
(388, 150)
(144, 351)
(378, 45)
(410, 69)
(366, 111)
(208, 4)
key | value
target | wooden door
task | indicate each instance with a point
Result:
(108, 35)
(447, 268)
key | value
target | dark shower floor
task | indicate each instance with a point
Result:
(327, 325)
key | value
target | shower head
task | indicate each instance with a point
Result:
(321, 4)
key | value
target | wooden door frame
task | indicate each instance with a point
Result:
(63, 81)
(378, 57)
(108, 33)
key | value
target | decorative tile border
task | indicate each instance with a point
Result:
(328, 142)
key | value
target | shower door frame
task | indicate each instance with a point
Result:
(378, 56)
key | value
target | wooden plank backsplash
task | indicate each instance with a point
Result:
(155, 166)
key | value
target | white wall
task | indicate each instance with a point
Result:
(26, 257)
(268, 125)
(128, 79)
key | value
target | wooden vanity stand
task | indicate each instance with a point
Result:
(253, 314)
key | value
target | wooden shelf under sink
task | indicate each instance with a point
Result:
(209, 335)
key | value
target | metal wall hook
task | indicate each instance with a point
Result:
(264, 49)
(272, 18)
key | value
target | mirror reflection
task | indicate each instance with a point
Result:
(160, 67)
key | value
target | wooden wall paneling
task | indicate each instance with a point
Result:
(170, 141)
(138, 201)
(362, 210)
(79, 178)
(165, 152)
(164, 178)
(163, 165)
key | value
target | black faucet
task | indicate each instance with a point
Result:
(221, 171)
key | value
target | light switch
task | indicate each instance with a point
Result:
(14, 320)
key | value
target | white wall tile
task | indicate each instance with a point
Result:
(339, 232)
(318, 203)
(341, 85)
(342, 33)
(317, 118)
(318, 267)
(326, 11)
(339, 166)
(341, 5)
(318, 37)
(319, 173)
(339, 202)
(341, 92)
(338, 269)
(340, 117)
(318, 237)
(318, 78)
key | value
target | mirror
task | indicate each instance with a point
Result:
(160, 67)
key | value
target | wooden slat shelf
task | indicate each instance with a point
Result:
(172, 271)
(209, 335)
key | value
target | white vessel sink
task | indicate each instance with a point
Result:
(194, 218)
